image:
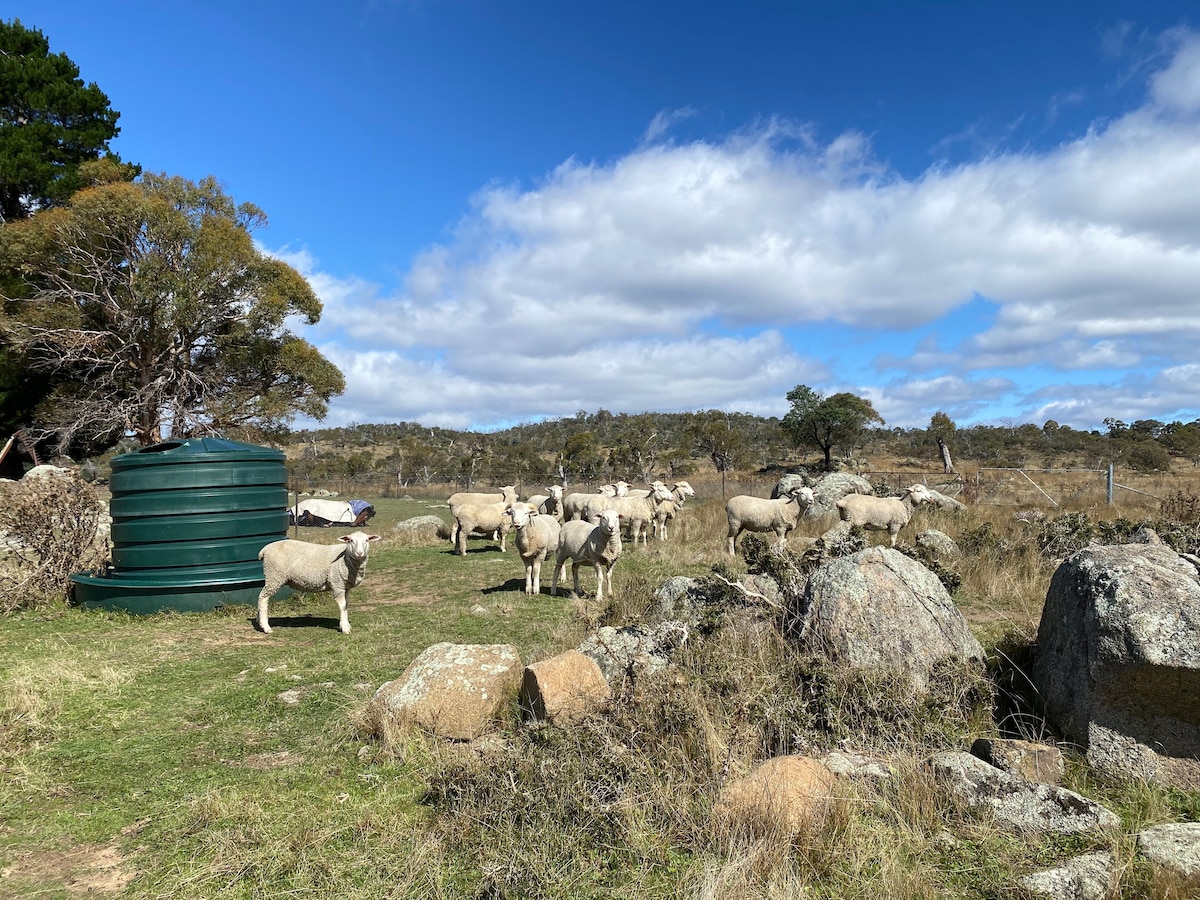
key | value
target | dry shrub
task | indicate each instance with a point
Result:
(50, 524)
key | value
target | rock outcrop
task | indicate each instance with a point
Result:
(1118, 660)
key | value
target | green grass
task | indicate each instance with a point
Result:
(163, 742)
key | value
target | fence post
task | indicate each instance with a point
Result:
(1110, 484)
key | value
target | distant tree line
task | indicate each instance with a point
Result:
(819, 432)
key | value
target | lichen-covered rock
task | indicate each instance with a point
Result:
(1023, 805)
(937, 545)
(787, 794)
(1091, 876)
(1174, 847)
(454, 690)
(1118, 660)
(676, 599)
(829, 489)
(633, 651)
(880, 610)
(563, 689)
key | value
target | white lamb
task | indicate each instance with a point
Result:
(536, 536)
(888, 514)
(481, 518)
(586, 544)
(314, 567)
(746, 513)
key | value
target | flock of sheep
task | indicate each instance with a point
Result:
(584, 529)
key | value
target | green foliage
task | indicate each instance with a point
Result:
(148, 303)
(1147, 456)
(50, 123)
(824, 423)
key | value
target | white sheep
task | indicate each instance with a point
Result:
(574, 504)
(549, 504)
(536, 535)
(481, 518)
(596, 545)
(507, 493)
(314, 567)
(666, 511)
(888, 514)
(746, 513)
(638, 512)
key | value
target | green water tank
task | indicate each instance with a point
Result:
(189, 518)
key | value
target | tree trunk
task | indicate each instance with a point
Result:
(947, 463)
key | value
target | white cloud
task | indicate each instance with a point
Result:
(660, 280)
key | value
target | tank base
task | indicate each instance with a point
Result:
(146, 597)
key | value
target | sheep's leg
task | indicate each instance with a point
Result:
(343, 619)
(263, 597)
(781, 533)
(575, 575)
(503, 537)
(733, 536)
(559, 569)
(536, 570)
(894, 531)
(529, 578)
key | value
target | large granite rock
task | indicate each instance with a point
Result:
(831, 488)
(1118, 660)
(880, 610)
(454, 690)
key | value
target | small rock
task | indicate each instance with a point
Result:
(1088, 877)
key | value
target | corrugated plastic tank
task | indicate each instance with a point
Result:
(189, 518)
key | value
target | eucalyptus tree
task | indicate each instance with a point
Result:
(152, 309)
(823, 423)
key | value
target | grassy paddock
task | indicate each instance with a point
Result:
(190, 756)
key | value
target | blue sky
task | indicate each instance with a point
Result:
(516, 211)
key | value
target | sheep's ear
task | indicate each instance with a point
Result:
(374, 537)
(345, 538)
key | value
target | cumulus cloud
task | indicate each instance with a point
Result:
(662, 280)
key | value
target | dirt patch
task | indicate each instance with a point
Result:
(87, 869)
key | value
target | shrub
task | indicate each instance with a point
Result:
(49, 525)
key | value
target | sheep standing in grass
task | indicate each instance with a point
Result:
(574, 504)
(508, 494)
(758, 514)
(536, 536)
(888, 514)
(586, 544)
(667, 510)
(314, 567)
(549, 504)
(638, 512)
(481, 518)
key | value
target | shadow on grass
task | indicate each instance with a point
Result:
(299, 622)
